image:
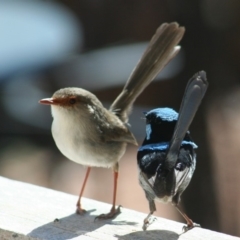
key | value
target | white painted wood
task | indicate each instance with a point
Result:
(30, 210)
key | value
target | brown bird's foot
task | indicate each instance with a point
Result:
(80, 210)
(112, 214)
(189, 226)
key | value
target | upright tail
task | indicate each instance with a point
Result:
(192, 98)
(161, 49)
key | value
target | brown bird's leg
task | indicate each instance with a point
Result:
(190, 223)
(114, 211)
(80, 210)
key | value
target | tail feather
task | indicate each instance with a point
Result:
(161, 49)
(194, 93)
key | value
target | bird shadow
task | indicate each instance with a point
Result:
(73, 226)
(150, 234)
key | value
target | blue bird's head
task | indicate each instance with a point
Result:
(160, 124)
(161, 114)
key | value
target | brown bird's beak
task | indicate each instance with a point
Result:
(48, 101)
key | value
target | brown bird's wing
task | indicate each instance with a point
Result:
(113, 129)
(161, 49)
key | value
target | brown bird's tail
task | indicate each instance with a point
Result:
(161, 49)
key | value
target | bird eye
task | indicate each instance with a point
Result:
(72, 101)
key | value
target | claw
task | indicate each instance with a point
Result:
(190, 226)
(80, 211)
(112, 214)
(148, 221)
(145, 225)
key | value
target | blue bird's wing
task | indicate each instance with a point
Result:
(183, 175)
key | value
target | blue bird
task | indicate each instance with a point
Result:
(167, 157)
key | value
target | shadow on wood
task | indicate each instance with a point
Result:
(152, 234)
(73, 226)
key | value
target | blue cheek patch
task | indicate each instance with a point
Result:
(148, 131)
(163, 146)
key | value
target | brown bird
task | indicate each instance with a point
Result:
(91, 135)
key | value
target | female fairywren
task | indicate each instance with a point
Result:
(91, 135)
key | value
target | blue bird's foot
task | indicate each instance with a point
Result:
(190, 226)
(148, 221)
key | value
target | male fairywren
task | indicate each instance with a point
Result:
(167, 157)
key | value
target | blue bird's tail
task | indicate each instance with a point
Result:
(192, 98)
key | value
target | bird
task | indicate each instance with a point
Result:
(167, 157)
(88, 133)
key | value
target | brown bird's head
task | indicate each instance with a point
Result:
(72, 100)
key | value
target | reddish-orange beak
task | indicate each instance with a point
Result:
(48, 101)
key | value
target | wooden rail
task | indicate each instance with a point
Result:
(32, 212)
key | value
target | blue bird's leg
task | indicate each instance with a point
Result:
(148, 221)
(190, 223)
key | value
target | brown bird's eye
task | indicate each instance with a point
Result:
(72, 101)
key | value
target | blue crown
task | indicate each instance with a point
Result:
(166, 114)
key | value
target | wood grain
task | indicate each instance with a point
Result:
(32, 212)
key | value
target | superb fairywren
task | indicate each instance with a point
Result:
(167, 157)
(89, 134)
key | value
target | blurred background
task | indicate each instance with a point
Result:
(95, 44)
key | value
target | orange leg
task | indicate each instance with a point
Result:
(114, 211)
(115, 179)
(80, 210)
